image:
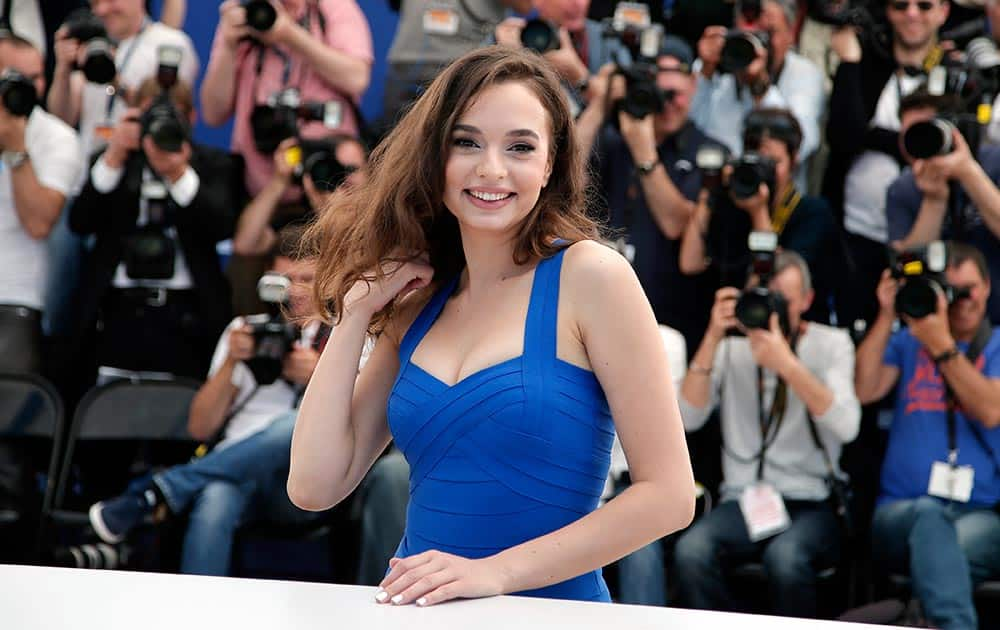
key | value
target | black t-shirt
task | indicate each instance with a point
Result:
(682, 302)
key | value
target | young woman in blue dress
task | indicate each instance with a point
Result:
(511, 346)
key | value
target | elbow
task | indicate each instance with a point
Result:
(242, 246)
(197, 430)
(39, 229)
(304, 494)
(211, 115)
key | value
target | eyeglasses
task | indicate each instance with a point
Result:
(903, 5)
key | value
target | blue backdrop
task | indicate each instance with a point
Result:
(200, 24)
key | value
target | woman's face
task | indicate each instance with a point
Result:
(777, 151)
(498, 161)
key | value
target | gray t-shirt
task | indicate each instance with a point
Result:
(454, 27)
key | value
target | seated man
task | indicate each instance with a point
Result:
(243, 477)
(787, 407)
(936, 518)
(180, 198)
(919, 204)
(723, 219)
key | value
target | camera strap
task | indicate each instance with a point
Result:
(972, 353)
(786, 205)
(124, 64)
(206, 447)
(771, 420)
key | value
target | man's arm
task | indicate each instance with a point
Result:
(872, 377)
(37, 207)
(703, 375)
(692, 258)
(66, 91)
(830, 399)
(212, 402)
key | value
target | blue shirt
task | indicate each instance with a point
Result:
(919, 433)
(902, 207)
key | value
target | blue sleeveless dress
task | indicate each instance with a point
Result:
(508, 454)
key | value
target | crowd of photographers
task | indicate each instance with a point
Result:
(807, 190)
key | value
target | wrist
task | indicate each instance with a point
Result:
(760, 218)
(937, 347)
(114, 157)
(503, 572)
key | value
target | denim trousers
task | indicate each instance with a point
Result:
(946, 548)
(791, 559)
(246, 482)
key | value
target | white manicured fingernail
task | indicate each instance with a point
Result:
(397, 598)
(381, 596)
(422, 601)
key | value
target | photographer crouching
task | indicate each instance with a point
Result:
(153, 273)
(936, 518)
(787, 401)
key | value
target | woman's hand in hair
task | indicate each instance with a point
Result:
(371, 294)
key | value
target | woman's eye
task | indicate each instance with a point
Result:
(464, 142)
(522, 148)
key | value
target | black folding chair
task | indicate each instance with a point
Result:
(140, 411)
(31, 411)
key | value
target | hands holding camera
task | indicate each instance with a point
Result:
(933, 174)
(297, 366)
(769, 346)
(233, 27)
(564, 59)
(932, 331)
(125, 138)
(12, 131)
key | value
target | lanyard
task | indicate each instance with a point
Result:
(286, 72)
(972, 353)
(787, 204)
(125, 59)
(775, 416)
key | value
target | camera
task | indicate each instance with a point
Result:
(540, 35)
(150, 253)
(261, 15)
(756, 304)
(749, 172)
(318, 159)
(17, 93)
(838, 13)
(741, 48)
(922, 272)
(99, 61)
(161, 121)
(273, 336)
(643, 96)
(277, 119)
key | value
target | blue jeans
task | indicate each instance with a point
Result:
(65, 253)
(381, 503)
(791, 559)
(642, 576)
(945, 547)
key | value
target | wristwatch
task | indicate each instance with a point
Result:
(645, 168)
(947, 355)
(13, 159)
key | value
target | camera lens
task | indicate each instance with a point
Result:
(325, 171)
(99, 64)
(642, 99)
(754, 308)
(928, 138)
(917, 297)
(738, 52)
(540, 36)
(745, 180)
(19, 96)
(260, 14)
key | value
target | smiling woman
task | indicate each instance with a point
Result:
(505, 381)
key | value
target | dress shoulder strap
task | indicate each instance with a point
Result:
(543, 311)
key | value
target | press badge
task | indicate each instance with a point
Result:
(103, 131)
(763, 511)
(440, 20)
(951, 482)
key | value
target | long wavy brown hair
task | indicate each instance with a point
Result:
(399, 212)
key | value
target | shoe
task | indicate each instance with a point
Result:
(114, 518)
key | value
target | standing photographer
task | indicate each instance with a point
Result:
(787, 406)
(953, 195)
(775, 77)
(863, 133)
(94, 108)
(648, 179)
(759, 194)
(936, 517)
(321, 48)
(157, 213)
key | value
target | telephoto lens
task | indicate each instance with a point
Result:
(17, 93)
(99, 61)
(540, 36)
(741, 48)
(261, 15)
(928, 138)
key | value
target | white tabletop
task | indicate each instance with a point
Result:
(45, 598)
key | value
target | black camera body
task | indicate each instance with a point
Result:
(750, 171)
(756, 304)
(741, 48)
(161, 121)
(99, 61)
(318, 159)
(273, 336)
(278, 119)
(261, 14)
(643, 97)
(838, 13)
(149, 252)
(922, 272)
(17, 93)
(540, 35)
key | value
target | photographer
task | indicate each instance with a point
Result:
(95, 108)
(157, 214)
(322, 48)
(787, 406)
(336, 159)
(649, 183)
(863, 133)
(242, 478)
(775, 77)
(919, 204)
(41, 162)
(936, 517)
(768, 202)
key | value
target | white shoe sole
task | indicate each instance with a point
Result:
(97, 522)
